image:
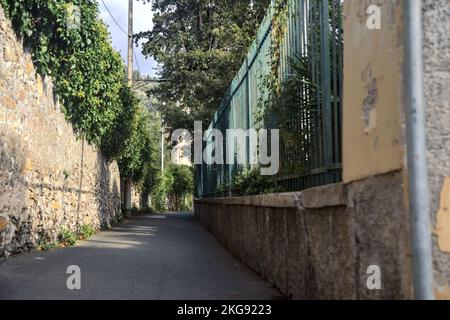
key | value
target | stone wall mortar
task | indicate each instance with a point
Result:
(50, 179)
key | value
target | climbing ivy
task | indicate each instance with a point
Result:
(298, 94)
(279, 27)
(71, 44)
(271, 83)
(88, 73)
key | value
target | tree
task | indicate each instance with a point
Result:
(130, 142)
(200, 45)
(89, 77)
(182, 187)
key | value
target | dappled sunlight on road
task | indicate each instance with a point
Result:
(149, 257)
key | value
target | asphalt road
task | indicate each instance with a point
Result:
(153, 257)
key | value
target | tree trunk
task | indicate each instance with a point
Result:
(128, 185)
(200, 19)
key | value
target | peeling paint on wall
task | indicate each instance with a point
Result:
(442, 292)
(443, 218)
(370, 101)
(373, 85)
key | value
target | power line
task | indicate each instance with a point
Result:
(114, 19)
(153, 80)
(137, 62)
(125, 32)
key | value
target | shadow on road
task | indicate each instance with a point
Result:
(166, 256)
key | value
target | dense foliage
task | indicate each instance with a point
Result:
(87, 72)
(299, 94)
(251, 182)
(200, 45)
(132, 139)
(71, 44)
(182, 187)
(172, 189)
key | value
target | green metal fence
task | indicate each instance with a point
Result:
(314, 36)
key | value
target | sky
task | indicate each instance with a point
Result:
(142, 22)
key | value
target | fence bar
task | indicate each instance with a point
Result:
(313, 34)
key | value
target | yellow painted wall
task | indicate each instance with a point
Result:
(372, 133)
(443, 219)
(442, 234)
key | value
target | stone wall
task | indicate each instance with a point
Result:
(319, 244)
(136, 199)
(49, 179)
(436, 24)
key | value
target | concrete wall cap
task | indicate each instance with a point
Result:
(321, 197)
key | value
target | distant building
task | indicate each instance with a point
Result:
(180, 153)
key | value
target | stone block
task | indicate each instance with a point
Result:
(56, 205)
(28, 166)
(8, 102)
(10, 54)
(29, 68)
(21, 95)
(3, 224)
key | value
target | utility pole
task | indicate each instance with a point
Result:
(162, 150)
(129, 182)
(130, 43)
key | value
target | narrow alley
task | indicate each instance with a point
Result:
(275, 150)
(152, 257)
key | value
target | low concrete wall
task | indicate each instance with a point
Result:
(319, 244)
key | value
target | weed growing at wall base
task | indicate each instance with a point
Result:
(86, 231)
(67, 238)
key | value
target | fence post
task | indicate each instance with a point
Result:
(248, 110)
(327, 125)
